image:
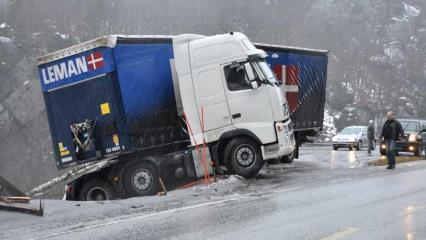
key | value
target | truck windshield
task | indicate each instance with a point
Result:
(270, 77)
(410, 126)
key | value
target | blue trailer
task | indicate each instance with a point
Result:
(118, 101)
(126, 92)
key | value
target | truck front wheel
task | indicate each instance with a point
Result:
(97, 190)
(243, 156)
(141, 179)
(288, 159)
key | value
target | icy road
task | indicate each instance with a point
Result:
(325, 195)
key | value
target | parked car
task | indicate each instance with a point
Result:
(352, 137)
(414, 140)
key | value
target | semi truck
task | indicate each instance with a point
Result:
(163, 109)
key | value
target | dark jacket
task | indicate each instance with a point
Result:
(392, 129)
(370, 132)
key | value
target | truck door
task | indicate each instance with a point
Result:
(249, 108)
(93, 101)
(210, 95)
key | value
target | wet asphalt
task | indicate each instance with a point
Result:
(324, 195)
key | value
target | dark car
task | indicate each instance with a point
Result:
(414, 140)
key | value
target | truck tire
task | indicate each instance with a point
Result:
(141, 178)
(243, 156)
(288, 159)
(97, 190)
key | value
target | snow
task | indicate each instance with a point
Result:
(6, 40)
(400, 19)
(229, 180)
(63, 36)
(394, 52)
(378, 59)
(328, 123)
(410, 10)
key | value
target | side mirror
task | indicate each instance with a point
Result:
(254, 85)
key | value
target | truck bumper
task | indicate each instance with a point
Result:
(285, 144)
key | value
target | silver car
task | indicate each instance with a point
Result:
(351, 137)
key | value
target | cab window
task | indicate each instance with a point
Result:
(239, 76)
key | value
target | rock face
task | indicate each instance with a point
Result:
(377, 58)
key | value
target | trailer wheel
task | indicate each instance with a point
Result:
(288, 159)
(141, 179)
(97, 190)
(244, 156)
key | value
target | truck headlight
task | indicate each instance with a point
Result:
(412, 138)
(286, 109)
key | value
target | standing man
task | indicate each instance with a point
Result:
(370, 135)
(391, 132)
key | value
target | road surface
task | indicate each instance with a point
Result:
(325, 195)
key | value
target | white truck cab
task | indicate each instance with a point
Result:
(228, 91)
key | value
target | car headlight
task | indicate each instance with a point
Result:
(383, 146)
(412, 138)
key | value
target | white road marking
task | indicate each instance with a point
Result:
(340, 180)
(341, 234)
(287, 190)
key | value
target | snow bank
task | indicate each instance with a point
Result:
(230, 181)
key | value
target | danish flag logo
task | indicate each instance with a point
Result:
(289, 75)
(95, 60)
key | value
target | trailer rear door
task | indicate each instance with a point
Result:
(84, 106)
